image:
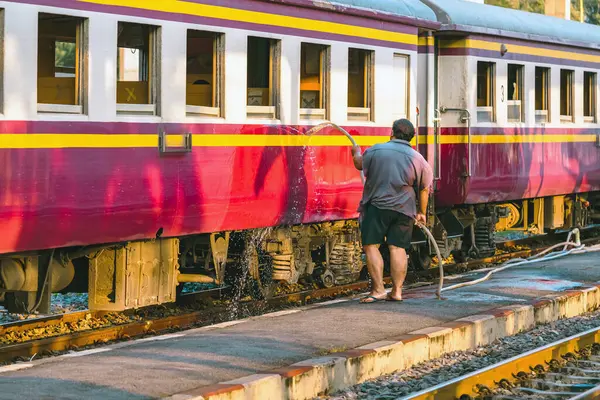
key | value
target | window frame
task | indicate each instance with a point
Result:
(272, 111)
(367, 113)
(322, 112)
(81, 69)
(546, 75)
(490, 107)
(152, 108)
(520, 75)
(569, 117)
(593, 96)
(218, 87)
(409, 61)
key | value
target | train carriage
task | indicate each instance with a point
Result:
(516, 120)
(146, 144)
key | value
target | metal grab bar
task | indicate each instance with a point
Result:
(437, 148)
(417, 129)
(464, 118)
(184, 145)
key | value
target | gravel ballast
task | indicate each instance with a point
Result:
(458, 363)
(61, 303)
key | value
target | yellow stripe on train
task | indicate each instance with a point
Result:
(54, 141)
(519, 49)
(255, 17)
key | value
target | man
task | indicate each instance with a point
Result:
(394, 172)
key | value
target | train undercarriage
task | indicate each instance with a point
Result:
(261, 262)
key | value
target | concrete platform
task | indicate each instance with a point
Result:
(302, 352)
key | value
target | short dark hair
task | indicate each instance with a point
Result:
(403, 129)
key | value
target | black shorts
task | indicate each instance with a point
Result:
(379, 226)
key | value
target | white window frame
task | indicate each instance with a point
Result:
(325, 79)
(218, 110)
(81, 43)
(269, 112)
(155, 59)
(365, 114)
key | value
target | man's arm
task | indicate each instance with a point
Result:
(357, 158)
(425, 182)
(423, 199)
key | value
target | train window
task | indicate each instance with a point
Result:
(360, 85)
(314, 81)
(566, 95)
(589, 97)
(515, 93)
(204, 75)
(263, 74)
(400, 82)
(485, 91)
(61, 64)
(542, 94)
(138, 69)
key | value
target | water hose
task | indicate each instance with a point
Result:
(427, 232)
(576, 246)
(327, 124)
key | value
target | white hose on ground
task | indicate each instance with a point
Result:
(427, 232)
(577, 248)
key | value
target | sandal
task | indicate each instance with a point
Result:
(373, 299)
(390, 298)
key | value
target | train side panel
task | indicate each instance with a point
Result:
(513, 159)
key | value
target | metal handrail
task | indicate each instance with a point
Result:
(464, 118)
(437, 148)
(417, 130)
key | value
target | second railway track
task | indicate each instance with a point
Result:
(566, 369)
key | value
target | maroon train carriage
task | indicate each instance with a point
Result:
(182, 156)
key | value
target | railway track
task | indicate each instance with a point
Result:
(566, 369)
(51, 335)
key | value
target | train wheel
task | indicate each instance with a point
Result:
(326, 279)
(260, 268)
(419, 258)
(460, 256)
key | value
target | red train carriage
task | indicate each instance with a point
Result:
(182, 155)
(516, 121)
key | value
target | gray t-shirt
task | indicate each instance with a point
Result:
(390, 170)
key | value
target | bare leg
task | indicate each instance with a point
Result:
(398, 266)
(375, 267)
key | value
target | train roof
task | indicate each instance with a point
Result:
(467, 16)
(413, 12)
(408, 8)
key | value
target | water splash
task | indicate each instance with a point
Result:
(253, 241)
(309, 156)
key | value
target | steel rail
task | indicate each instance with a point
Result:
(467, 385)
(222, 292)
(78, 339)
